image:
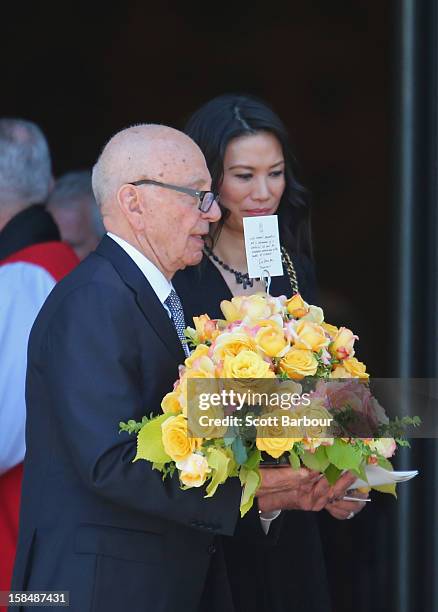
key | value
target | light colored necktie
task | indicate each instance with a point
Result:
(176, 310)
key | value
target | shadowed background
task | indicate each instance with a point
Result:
(332, 72)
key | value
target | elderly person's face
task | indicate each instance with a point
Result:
(168, 225)
(175, 227)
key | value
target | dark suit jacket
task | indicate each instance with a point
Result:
(285, 570)
(110, 531)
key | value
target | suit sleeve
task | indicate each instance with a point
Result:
(93, 375)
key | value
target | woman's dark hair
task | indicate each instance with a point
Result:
(226, 117)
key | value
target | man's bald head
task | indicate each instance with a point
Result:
(164, 224)
(143, 151)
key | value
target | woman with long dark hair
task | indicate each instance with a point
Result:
(248, 154)
(253, 170)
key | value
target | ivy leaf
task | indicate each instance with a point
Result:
(387, 488)
(332, 473)
(250, 480)
(230, 435)
(218, 461)
(239, 450)
(294, 460)
(149, 441)
(233, 468)
(384, 463)
(132, 426)
(343, 455)
(361, 472)
(317, 461)
(253, 460)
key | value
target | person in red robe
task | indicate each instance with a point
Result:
(32, 260)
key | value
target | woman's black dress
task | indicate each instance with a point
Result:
(284, 570)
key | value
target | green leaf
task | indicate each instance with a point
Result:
(343, 455)
(149, 441)
(384, 463)
(294, 460)
(239, 450)
(332, 473)
(254, 459)
(387, 488)
(250, 480)
(361, 472)
(233, 468)
(132, 426)
(192, 336)
(317, 461)
(218, 461)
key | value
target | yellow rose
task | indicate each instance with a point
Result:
(246, 365)
(271, 340)
(200, 351)
(342, 345)
(332, 330)
(384, 446)
(170, 403)
(246, 308)
(296, 306)
(315, 315)
(276, 304)
(310, 336)
(194, 470)
(206, 423)
(311, 444)
(206, 329)
(340, 372)
(177, 444)
(231, 344)
(289, 386)
(274, 322)
(197, 382)
(356, 368)
(202, 367)
(320, 419)
(273, 437)
(181, 393)
(283, 394)
(230, 311)
(255, 307)
(298, 363)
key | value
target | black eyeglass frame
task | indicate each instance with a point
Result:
(192, 192)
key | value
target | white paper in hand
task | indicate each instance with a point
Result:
(378, 476)
(262, 245)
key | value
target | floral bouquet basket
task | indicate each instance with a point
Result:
(271, 383)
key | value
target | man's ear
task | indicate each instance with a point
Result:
(129, 201)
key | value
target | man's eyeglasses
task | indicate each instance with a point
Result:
(206, 198)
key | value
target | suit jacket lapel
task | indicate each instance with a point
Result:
(146, 298)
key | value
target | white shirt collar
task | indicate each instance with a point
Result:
(159, 283)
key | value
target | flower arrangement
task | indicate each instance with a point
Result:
(270, 348)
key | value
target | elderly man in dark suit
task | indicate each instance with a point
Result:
(106, 347)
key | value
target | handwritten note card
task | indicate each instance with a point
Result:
(262, 244)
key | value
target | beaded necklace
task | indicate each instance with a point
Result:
(242, 278)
